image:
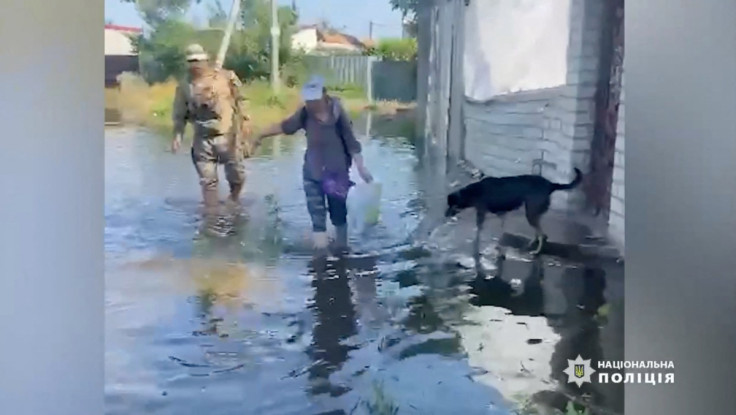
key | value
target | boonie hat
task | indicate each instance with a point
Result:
(196, 53)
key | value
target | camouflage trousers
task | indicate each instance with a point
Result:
(208, 152)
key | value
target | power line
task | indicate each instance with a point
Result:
(371, 23)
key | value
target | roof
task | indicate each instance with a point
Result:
(336, 38)
(119, 28)
(343, 39)
(369, 43)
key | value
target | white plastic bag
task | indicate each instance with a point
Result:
(364, 205)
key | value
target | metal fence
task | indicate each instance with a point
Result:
(380, 79)
(394, 81)
(340, 70)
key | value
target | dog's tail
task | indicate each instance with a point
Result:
(573, 184)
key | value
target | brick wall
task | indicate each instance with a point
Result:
(503, 137)
(616, 217)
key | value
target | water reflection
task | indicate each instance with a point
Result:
(537, 315)
(335, 317)
(522, 294)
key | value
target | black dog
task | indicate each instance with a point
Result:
(500, 195)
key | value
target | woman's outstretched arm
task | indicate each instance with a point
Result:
(288, 126)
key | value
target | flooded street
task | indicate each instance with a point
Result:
(235, 317)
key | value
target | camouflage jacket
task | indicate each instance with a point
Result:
(212, 103)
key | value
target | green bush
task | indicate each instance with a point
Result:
(395, 49)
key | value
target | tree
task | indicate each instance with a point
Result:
(162, 49)
(155, 12)
(408, 10)
(254, 41)
(326, 26)
(217, 15)
(162, 52)
(406, 7)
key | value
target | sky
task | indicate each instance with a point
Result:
(353, 15)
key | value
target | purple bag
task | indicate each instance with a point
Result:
(336, 185)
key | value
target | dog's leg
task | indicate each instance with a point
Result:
(533, 245)
(542, 238)
(533, 221)
(499, 250)
(480, 218)
(534, 212)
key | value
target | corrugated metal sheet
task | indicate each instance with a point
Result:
(117, 64)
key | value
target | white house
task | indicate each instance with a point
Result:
(120, 55)
(312, 39)
(118, 40)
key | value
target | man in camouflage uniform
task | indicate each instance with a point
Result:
(210, 99)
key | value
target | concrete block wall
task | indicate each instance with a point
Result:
(546, 131)
(502, 138)
(616, 218)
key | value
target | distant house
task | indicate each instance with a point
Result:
(369, 43)
(313, 39)
(120, 55)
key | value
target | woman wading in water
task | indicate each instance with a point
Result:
(331, 150)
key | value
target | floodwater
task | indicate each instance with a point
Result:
(234, 316)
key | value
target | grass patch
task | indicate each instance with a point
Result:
(150, 105)
(381, 403)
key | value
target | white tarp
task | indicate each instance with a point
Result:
(515, 45)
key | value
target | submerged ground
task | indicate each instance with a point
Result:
(235, 317)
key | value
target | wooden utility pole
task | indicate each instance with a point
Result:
(371, 25)
(234, 13)
(275, 34)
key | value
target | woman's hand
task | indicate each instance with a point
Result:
(362, 170)
(258, 140)
(175, 144)
(364, 173)
(269, 131)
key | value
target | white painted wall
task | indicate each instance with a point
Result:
(305, 40)
(118, 43)
(515, 45)
(545, 129)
